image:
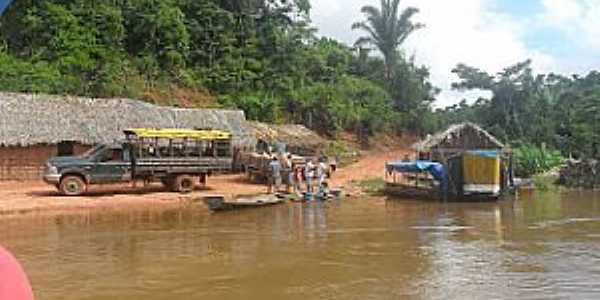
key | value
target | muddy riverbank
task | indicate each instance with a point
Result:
(18, 198)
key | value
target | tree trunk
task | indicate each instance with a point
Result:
(387, 59)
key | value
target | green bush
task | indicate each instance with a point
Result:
(24, 76)
(545, 183)
(531, 160)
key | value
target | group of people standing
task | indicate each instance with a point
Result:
(308, 177)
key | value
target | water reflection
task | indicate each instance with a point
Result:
(539, 246)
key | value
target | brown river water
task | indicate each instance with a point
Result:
(540, 246)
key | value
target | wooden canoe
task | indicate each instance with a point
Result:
(218, 203)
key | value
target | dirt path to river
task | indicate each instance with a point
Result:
(18, 198)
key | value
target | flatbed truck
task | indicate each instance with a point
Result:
(178, 158)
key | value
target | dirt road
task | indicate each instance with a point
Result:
(31, 197)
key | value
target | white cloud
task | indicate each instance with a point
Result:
(465, 31)
(335, 17)
(580, 19)
(562, 10)
(326, 9)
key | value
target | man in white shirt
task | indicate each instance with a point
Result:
(309, 174)
(275, 176)
(321, 172)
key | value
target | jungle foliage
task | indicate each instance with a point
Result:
(261, 56)
(531, 160)
(526, 109)
(264, 56)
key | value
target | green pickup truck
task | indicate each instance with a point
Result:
(178, 158)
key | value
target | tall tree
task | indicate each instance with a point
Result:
(387, 28)
(515, 90)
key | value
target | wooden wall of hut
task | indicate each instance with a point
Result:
(29, 163)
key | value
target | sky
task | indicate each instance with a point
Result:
(560, 36)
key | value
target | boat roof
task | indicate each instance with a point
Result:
(179, 133)
(462, 133)
(436, 169)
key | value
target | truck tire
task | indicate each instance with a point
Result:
(183, 184)
(203, 179)
(72, 185)
(167, 182)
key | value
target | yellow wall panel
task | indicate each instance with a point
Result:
(479, 169)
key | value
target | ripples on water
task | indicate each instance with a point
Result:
(538, 247)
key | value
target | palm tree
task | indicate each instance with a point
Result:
(387, 29)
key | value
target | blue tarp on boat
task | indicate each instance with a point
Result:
(437, 170)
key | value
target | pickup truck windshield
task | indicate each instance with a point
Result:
(92, 152)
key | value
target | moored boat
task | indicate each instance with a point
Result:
(218, 203)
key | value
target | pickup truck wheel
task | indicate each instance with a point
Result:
(184, 184)
(166, 182)
(72, 186)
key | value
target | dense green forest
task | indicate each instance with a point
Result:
(262, 56)
(532, 110)
(265, 57)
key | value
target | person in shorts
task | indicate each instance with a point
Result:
(274, 175)
(321, 172)
(288, 171)
(309, 175)
(297, 174)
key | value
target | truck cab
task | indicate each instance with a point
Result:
(105, 163)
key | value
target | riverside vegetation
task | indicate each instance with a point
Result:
(264, 56)
(529, 110)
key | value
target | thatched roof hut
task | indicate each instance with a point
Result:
(475, 161)
(27, 120)
(459, 137)
(296, 137)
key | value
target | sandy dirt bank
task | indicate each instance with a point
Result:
(17, 198)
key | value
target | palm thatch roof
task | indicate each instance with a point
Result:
(467, 136)
(27, 119)
(296, 136)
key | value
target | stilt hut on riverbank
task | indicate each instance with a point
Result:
(34, 128)
(457, 139)
(476, 163)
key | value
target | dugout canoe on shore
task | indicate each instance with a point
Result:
(219, 203)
